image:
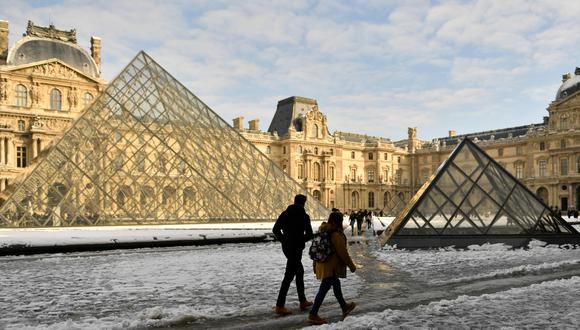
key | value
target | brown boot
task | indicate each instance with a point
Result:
(305, 304)
(314, 319)
(347, 309)
(282, 311)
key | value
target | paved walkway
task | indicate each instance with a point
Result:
(384, 288)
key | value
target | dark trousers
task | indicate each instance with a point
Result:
(325, 285)
(293, 268)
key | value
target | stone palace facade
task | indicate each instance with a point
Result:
(47, 80)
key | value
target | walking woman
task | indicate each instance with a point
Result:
(332, 269)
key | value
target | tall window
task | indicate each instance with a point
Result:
(353, 174)
(55, 100)
(542, 146)
(371, 199)
(519, 150)
(352, 154)
(563, 143)
(21, 96)
(564, 166)
(542, 165)
(371, 175)
(21, 157)
(88, 98)
(500, 152)
(300, 171)
(21, 125)
(316, 171)
(563, 122)
(370, 156)
(354, 201)
(284, 150)
(386, 198)
(332, 173)
(399, 176)
(519, 170)
(578, 164)
(386, 156)
(268, 150)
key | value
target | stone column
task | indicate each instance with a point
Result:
(3, 151)
(34, 150)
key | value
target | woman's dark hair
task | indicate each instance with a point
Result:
(335, 220)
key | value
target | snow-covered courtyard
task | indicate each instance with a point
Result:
(235, 286)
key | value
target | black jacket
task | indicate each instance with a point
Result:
(293, 228)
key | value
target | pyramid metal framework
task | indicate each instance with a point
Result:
(394, 206)
(148, 151)
(471, 199)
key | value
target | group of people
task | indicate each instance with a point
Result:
(293, 229)
(361, 217)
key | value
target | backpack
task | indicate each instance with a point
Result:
(321, 247)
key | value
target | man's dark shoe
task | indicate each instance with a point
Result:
(282, 311)
(347, 309)
(314, 319)
(305, 304)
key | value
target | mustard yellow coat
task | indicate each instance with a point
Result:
(336, 264)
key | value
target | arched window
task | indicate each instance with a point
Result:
(354, 202)
(88, 98)
(316, 194)
(352, 154)
(188, 196)
(316, 171)
(386, 198)
(55, 100)
(168, 197)
(21, 96)
(543, 194)
(316, 150)
(123, 195)
(371, 199)
(314, 131)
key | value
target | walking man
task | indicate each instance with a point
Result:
(293, 230)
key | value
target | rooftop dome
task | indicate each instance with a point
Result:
(34, 49)
(570, 85)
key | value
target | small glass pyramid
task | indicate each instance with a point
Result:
(471, 199)
(148, 151)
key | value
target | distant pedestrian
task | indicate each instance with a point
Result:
(352, 219)
(360, 216)
(293, 230)
(332, 269)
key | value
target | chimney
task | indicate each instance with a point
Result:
(577, 71)
(3, 41)
(452, 134)
(96, 51)
(254, 125)
(546, 120)
(566, 76)
(239, 123)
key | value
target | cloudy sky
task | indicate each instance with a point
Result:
(375, 67)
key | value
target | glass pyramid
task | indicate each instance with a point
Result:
(394, 206)
(471, 199)
(148, 151)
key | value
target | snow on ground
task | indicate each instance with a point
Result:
(122, 234)
(134, 289)
(448, 265)
(548, 305)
